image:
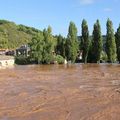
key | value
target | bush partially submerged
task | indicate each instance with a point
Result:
(104, 56)
(22, 60)
(59, 59)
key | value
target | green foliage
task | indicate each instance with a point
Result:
(60, 47)
(85, 40)
(48, 47)
(59, 59)
(3, 40)
(13, 36)
(96, 45)
(117, 38)
(90, 56)
(110, 42)
(22, 60)
(4, 22)
(28, 30)
(72, 45)
(43, 44)
(103, 56)
(42, 47)
(36, 46)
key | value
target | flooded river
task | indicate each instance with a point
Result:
(58, 92)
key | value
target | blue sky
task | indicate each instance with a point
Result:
(58, 13)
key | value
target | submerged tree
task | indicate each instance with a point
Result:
(96, 43)
(72, 43)
(85, 40)
(110, 42)
(117, 38)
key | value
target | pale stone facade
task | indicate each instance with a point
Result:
(6, 61)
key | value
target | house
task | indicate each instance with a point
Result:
(3, 51)
(10, 52)
(23, 50)
(6, 61)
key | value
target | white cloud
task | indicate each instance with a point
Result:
(86, 2)
(107, 9)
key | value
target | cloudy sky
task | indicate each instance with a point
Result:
(58, 13)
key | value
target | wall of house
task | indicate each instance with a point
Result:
(7, 63)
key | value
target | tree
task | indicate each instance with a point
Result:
(48, 46)
(96, 43)
(41, 47)
(59, 44)
(60, 48)
(72, 43)
(117, 38)
(85, 40)
(110, 42)
(37, 47)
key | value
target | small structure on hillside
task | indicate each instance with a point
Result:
(23, 50)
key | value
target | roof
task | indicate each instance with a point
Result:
(3, 49)
(23, 47)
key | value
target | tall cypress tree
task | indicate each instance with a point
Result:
(110, 42)
(96, 43)
(72, 43)
(85, 40)
(60, 47)
(48, 45)
(117, 38)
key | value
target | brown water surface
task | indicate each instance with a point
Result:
(58, 92)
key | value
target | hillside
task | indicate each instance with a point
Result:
(12, 35)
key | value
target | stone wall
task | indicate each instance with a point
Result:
(7, 63)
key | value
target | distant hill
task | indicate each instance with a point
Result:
(13, 36)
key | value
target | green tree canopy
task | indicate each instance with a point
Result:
(117, 38)
(85, 40)
(60, 47)
(96, 43)
(110, 42)
(37, 47)
(41, 47)
(72, 43)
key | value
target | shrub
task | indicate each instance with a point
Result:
(22, 60)
(104, 56)
(59, 59)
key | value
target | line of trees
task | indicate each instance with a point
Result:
(44, 46)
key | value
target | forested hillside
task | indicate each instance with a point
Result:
(12, 35)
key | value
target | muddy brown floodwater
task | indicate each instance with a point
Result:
(58, 92)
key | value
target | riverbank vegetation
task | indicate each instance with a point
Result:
(46, 48)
